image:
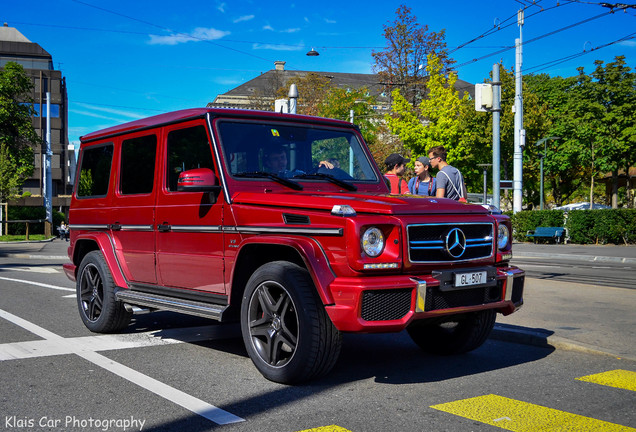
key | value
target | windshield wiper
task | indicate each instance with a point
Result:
(329, 178)
(278, 179)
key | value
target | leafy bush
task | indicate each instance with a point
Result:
(525, 221)
(617, 226)
(31, 213)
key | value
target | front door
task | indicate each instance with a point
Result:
(189, 235)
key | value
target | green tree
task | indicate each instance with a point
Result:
(338, 103)
(475, 145)
(408, 44)
(614, 91)
(436, 121)
(593, 114)
(17, 135)
(311, 92)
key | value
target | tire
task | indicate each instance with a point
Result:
(286, 330)
(98, 308)
(454, 337)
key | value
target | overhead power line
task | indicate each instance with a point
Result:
(555, 62)
(533, 39)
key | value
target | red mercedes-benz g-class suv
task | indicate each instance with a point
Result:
(285, 224)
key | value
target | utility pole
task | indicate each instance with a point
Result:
(519, 131)
(48, 183)
(496, 136)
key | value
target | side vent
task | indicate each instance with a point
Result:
(294, 219)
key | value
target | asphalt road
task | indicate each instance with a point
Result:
(567, 357)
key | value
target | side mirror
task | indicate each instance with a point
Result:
(198, 180)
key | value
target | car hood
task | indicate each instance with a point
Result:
(360, 202)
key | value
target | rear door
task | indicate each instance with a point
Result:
(189, 236)
(132, 220)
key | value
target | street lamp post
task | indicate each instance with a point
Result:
(485, 167)
(543, 141)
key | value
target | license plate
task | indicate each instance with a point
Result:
(472, 278)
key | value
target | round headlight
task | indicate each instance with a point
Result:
(503, 235)
(373, 242)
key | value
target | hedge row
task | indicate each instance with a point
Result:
(30, 213)
(617, 226)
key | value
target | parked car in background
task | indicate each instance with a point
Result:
(582, 206)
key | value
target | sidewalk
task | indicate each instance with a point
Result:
(574, 252)
(54, 249)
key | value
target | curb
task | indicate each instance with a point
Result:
(545, 339)
(569, 257)
(29, 256)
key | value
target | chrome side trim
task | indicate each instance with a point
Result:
(89, 227)
(196, 228)
(287, 230)
(137, 228)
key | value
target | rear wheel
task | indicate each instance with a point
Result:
(286, 330)
(98, 307)
(458, 336)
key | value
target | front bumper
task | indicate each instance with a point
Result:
(390, 303)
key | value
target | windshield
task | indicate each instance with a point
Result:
(298, 152)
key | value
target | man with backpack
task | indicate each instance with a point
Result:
(450, 182)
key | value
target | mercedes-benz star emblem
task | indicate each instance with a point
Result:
(456, 243)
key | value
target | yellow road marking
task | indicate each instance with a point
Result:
(619, 378)
(332, 428)
(521, 416)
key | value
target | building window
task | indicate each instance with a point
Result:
(55, 110)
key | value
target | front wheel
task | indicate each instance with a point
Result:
(286, 330)
(458, 336)
(99, 309)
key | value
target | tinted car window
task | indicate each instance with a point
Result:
(94, 174)
(187, 149)
(137, 172)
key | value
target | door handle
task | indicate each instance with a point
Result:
(164, 227)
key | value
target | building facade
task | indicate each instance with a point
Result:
(260, 92)
(38, 65)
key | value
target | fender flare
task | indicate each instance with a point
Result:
(105, 245)
(309, 251)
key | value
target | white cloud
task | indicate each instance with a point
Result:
(243, 18)
(272, 47)
(113, 111)
(328, 21)
(268, 27)
(197, 35)
(221, 7)
(291, 30)
(628, 43)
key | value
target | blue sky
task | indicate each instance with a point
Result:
(125, 60)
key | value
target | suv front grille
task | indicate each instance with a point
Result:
(452, 242)
(437, 299)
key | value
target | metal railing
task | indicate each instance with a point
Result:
(26, 222)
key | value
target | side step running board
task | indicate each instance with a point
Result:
(156, 301)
